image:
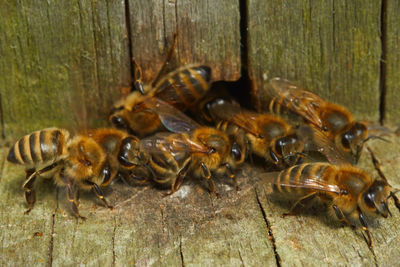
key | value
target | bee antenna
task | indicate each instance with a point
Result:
(375, 137)
(395, 198)
(384, 204)
(376, 163)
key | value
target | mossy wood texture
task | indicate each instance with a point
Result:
(331, 47)
(69, 61)
(392, 61)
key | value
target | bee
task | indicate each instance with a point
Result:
(85, 161)
(266, 135)
(189, 148)
(334, 120)
(350, 192)
(180, 88)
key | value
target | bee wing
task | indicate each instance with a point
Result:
(173, 119)
(296, 99)
(232, 112)
(316, 140)
(313, 182)
(172, 143)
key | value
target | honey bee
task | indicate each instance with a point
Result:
(350, 192)
(190, 148)
(180, 88)
(266, 135)
(336, 121)
(86, 161)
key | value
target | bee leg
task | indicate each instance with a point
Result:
(291, 211)
(99, 193)
(30, 194)
(179, 179)
(28, 186)
(72, 196)
(339, 214)
(207, 176)
(166, 62)
(364, 226)
(138, 83)
(231, 175)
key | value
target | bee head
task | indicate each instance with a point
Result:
(85, 158)
(374, 199)
(116, 118)
(129, 154)
(353, 140)
(289, 148)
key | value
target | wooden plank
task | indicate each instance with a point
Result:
(58, 56)
(25, 239)
(313, 238)
(331, 47)
(191, 227)
(392, 61)
(203, 37)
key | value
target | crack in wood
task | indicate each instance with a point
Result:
(240, 257)
(51, 243)
(382, 67)
(271, 237)
(113, 241)
(181, 252)
(3, 136)
(129, 36)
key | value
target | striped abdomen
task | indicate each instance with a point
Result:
(185, 86)
(39, 147)
(306, 178)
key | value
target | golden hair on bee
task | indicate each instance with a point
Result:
(84, 161)
(334, 120)
(190, 148)
(350, 192)
(180, 88)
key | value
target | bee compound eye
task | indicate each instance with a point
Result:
(118, 122)
(346, 140)
(236, 151)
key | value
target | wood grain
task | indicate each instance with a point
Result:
(331, 47)
(61, 60)
(203, 37)
(392, 61)
(191, 227)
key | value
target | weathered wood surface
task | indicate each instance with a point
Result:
(392, 61)
(189, 228)
(55, 54)
(331, 47)
(63, 55)
(203, 36)
(58, 53)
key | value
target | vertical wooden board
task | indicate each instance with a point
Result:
(204, 36)
(331, 47)
(25, 239)
(61, 58)
(392, 61)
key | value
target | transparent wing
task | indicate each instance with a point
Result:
(316, 140)
(312, 182)
(232, 112)
(172, 143)
(296, 99)
(173, 119)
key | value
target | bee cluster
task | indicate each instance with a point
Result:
(153, 140)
